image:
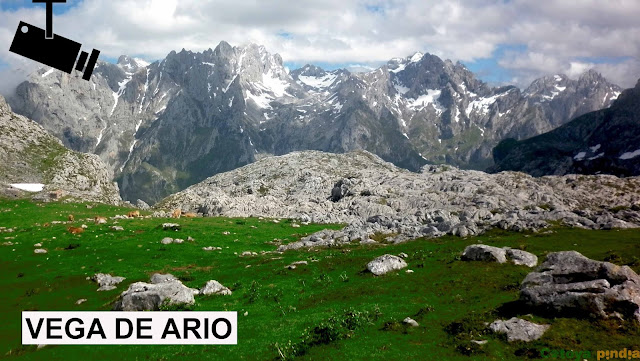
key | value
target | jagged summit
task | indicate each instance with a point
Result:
(604, 141)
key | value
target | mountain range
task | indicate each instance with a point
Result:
(604, 141)
(164, 126)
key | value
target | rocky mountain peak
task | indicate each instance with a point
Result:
(309, 70)
(592, 75)
(131, 65)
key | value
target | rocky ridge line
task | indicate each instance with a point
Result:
(378, 200)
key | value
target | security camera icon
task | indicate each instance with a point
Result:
(51, 49)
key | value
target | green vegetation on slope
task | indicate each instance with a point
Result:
(328, 309)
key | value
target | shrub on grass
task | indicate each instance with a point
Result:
(339, 326)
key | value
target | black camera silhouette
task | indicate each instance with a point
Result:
(51, 49)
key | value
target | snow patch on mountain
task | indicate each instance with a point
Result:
(318, 82)
(141, 63)
(630, 155)
(400, 68)
(416, 57)
(482, 105)
(48, 72)
(424, 100)
(104, 127)
(29, 187)
(116, 95)
(262, 100)
(580, 156)
(146, 87)
(615, 95)
(400, 88)
(275, 85)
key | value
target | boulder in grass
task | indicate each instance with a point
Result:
(411, 322)
(157, 278)
(521, 258)
(385, 264)
(171, 227)
(214, 287)
(481, 252)
(518, 329)
(568, 283)
(164, 290)
(106, 282)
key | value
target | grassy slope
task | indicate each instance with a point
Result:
(282, 303)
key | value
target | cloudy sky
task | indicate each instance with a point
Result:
(503, 41)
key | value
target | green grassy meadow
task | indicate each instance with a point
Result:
(330, 309)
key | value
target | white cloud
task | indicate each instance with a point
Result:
(556, 33)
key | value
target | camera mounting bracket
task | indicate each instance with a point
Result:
(49, 28)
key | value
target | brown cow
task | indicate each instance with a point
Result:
(100, 220)
(190, 215)
(133, 214)
(71, 218)
(74, 230)
(176, 213)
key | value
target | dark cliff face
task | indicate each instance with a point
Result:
(164, 126)
(605, 141)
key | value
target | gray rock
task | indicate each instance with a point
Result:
(106, 281)
(163, 289)
(460, 231)
(568, 283)
(340, 190)
(481, 252)
(385, 264)
(171, 227)
(142, 296)
(411, 322)
(406, 205)
(214, 287)
(157, 278)
(519, 330)
(296, 264)
(40, 251)
(160, 214)
(167, 240)
(142, 205)
(519, 257)
(116, 228)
